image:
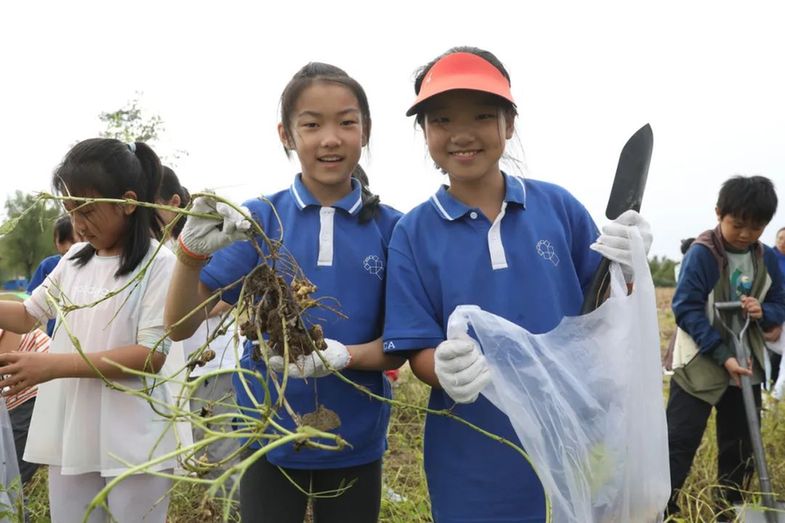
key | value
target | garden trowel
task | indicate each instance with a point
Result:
(626, 193)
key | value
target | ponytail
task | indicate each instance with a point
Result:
(153, 173)
(109, 168)
(371, 201)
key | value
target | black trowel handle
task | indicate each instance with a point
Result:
(728, 305)
(598, 287)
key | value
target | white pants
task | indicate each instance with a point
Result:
(138, 498)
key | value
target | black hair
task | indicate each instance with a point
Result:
(750, 198)
(685, 244)
(488, 56)
(315, 72)
(170, 185)
(370, 200)
(109, 168)
(63, 229)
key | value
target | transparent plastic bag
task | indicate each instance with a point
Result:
(779, 345)
(586, 401)
(10, 481)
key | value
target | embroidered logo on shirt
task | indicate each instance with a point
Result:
(741, 283)
(388, 345)
(546, 250)
(374, 265)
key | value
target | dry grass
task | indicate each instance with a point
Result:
(403, 463)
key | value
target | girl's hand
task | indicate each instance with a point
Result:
(614, 243)
(736, 371)
(334, 358)
(461, 368)
(752, 307)
(22, 370)
(203, 236)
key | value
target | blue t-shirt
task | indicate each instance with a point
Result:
(346, 260)
(530, 267)
(46, 266)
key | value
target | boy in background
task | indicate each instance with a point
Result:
(727, 263)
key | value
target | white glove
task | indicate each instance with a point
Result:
(461, 368)
(614, 242)
(335, 357)
(202, 236)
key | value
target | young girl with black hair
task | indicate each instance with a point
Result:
(174, 194)
(86, 432)
(520, 249)
(338, 232)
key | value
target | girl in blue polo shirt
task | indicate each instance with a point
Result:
(520, 249)
(338, 233)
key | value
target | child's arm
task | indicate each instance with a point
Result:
(15, 318)
(699, 273)
(370, 356)
(199, 239)
(409, 315)
(9, 341)
(186, 292)
(337, 356)
(422, 364)
(773, 306)
(27, 369)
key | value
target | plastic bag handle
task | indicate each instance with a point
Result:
(618, 285)
(458, 324)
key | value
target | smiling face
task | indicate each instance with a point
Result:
(466, 132)
(327, 133)
(103, 225)
(737, 233)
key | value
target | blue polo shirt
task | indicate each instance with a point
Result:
(346, 260)
(530, 267)
(46, 266)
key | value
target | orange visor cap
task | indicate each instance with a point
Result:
(462, 71)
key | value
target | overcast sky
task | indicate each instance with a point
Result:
(708, 77)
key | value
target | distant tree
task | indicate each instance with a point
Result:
(30, 241)
(128, 124)
(131, 124)
(662, 271)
